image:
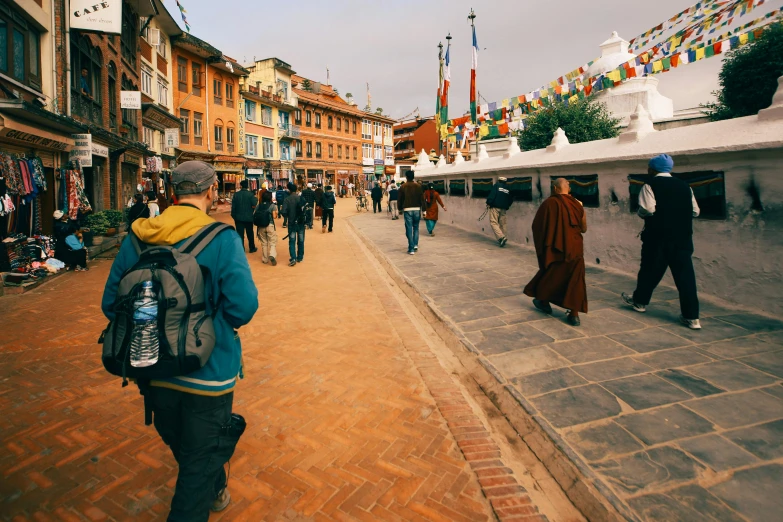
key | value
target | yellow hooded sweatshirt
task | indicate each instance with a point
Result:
(172, 226)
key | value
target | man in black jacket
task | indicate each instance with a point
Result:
(377, 195)
(243, 204)
(308, 194)
(498, 202)
(328, 202)
(668, 206)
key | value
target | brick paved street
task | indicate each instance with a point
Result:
(351, 414)
(664, 422)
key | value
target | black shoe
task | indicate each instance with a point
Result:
(573, 320)
(502, 241)
(543, 306)
(292, 262)
(273, 261)
(299, 260)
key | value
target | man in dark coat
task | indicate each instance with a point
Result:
(557, 234)
(668, 206)
(410, 202)
(280, 196)
(243, 204)
(377, 195)
(308, 194)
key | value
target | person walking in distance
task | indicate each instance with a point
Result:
(668, 206)
(297, 223)
(280, 196)
(242, 206)
(308, 194)
(328, 202)
(192, 413)
(431, 202)
(319, 199)
(557, 235)
(393, 196)
(411, 201)
(264, 218)
(498, 202)
(377, 195)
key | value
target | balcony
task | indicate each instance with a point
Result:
(287, 130)
(218, 146)
(86, 108)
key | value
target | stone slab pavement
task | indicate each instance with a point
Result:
(676, 424)
(350, 414)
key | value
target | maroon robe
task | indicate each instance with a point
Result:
(561, 265)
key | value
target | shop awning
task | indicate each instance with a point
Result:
(156, 117)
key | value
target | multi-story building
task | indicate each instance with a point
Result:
(208, 104)
(411, 136)
(269, 130)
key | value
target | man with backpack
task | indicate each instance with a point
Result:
(242, 206)
(264, 219)
(498, 203)
(191, 271)
(297, 209)
(328, 202)
(308, 194)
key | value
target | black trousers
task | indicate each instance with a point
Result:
(657, 256)
(328, 213)
(243, 228)
(194, 427)
(376, 204)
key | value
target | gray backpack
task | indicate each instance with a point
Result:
(185, 331)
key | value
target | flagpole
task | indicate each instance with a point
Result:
(437, 101)
(446, 94)
(474, 65)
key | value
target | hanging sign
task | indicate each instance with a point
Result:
(172, 137)
(100, 150)
(100, 16)
(82, 150)
(130, 99)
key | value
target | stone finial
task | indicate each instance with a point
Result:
(441, 161)
(513, 149)
(424, 160)
(559, 140)
(459, 158)
(640, 126)
(482, 153)
(774, 111)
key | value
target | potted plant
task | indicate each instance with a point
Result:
(115, 218)
(97, 223)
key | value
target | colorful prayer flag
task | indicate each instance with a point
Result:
(473, 67)
(444, 103)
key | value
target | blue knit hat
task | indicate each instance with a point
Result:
(662, 163)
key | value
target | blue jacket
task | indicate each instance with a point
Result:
(231, 281)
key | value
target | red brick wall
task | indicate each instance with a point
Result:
(326, 137)
(163, 65)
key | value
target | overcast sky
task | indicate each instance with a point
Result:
(393, 44)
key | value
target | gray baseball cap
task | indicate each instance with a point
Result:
(192, 177)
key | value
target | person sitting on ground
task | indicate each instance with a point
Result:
(68, 246)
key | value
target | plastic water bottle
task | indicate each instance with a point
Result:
(145, 345)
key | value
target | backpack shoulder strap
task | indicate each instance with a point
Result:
(202, 238)
(138, 245)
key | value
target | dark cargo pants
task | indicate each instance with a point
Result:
(194, 427)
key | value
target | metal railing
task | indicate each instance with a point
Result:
(287, 130)
(86, 108)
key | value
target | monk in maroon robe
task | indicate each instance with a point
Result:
(557, 234)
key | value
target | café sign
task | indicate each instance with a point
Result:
(99, 16)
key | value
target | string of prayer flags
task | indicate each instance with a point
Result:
(183, 13)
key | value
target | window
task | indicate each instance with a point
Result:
(266, 115)
(20, 49)
(437, 184)
(318, 149)
(184, 129)
(355, 153)
(298, 117)
(230, 136)
(269, 148)
(195, 79)
(366, 151)
(162, 142)
(130, 116)
(163, 92)
(377, 129)
(146, 81)
(330, 122)
(218, 137)
(339, 124)
(182, 74)
(366, 130)
(708, 188)
(250, 110)
(298, 149)
(128, 35)
(317, 120)
(583, 188)
(229, 94)
(309, 149)
(251, 145)
(354, 127)
(112, 71)
(521, 189)
(387, 130)
(378, 152)
(285, 151)
(481, 187)
(347, 126)
(339, 151)
(197, 128)
(86, 84)
(149, 137)
(282, 88)
(217, 90)
(457, 187)
(163, 47)
(308, 118)
(389, 153)
(331, 150)
(145, 29)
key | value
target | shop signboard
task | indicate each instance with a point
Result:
(367, 162)
(368, 170)
(378, 162)
(103, 16)
(99, 150)
(379, 170)
(130, 99)
(82, 150)
(32, 139)
(255, 172)
(172, 137)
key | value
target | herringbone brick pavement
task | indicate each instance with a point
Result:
(345, 410)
